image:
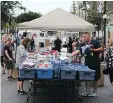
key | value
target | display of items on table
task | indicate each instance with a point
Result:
(45, 70)
(54, 68)
(69, 71)
(54, 53)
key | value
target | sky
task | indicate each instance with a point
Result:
(45, 6)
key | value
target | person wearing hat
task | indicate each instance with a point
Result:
(91, 51)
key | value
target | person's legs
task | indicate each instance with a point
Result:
(8, 69)
(11, 72)
(3, 65)
(111, 76)
(11, 69)
(87, 84)
(97, 77)
(20, 86)
(8, 72)
(95, 83)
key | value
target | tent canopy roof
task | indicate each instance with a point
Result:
(58, 20)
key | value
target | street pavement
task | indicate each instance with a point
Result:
(9, 93)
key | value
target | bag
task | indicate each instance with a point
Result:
(15, 73)
(106, 71)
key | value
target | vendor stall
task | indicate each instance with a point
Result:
(48, 68)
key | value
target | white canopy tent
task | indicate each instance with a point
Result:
(58, 20)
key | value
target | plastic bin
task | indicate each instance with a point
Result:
(27, 73)
(68, 73)
(45, 73)
(86, 74)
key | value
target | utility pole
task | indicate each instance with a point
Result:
(105, 19)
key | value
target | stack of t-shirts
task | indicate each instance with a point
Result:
(44, 65)
(29, 64)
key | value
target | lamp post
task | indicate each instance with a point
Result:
(105, 19)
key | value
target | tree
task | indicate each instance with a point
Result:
(91, 13)
(23, 17)
(7, 11)
(73, 10)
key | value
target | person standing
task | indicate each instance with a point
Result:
(18, 39)
(70, 49)
(22, 52)
(2, 45)
(109, 60)
(58, 44)
(32, 43)
(92, 60)
(9, 60)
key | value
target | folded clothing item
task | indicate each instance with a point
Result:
(29, 63)
(86, 49)
(28, 66)
(44, 65)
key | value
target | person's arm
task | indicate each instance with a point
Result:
(97, 50)
(75, 53)
(98, 46)
(6, 52)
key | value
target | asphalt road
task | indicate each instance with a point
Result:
(9, 94)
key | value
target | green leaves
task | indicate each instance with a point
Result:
(7, 10)
(23, 17)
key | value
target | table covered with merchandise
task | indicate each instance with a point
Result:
(53, 70)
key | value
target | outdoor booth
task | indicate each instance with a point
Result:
(49, 69)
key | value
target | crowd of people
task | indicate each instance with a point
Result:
(74, 46)
(9, 60)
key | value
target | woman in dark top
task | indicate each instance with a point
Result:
(70, 45)
(58, 43)
(32, 43)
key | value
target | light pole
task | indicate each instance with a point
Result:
(105, 19)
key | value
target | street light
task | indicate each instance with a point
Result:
(105, 19)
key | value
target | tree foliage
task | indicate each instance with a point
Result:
(91, 13)
(7, 10)
(23, 17)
